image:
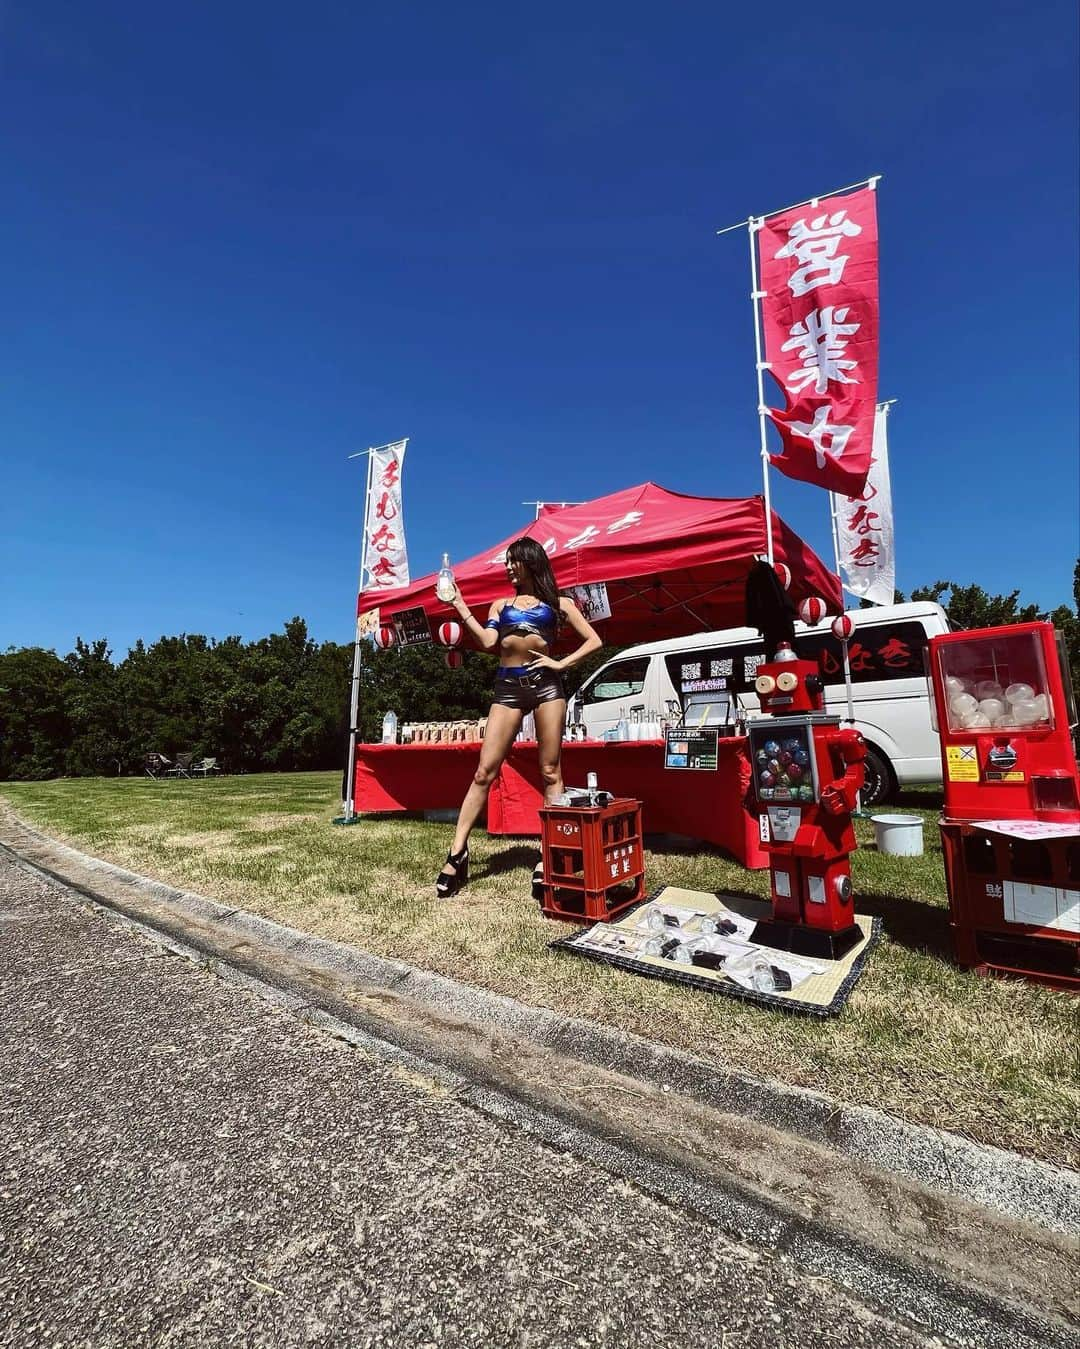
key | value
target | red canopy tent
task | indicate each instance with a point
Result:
(673, 564)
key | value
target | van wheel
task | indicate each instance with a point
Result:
(879, 778)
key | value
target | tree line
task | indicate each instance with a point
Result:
(282, 702)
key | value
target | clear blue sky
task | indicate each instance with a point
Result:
(242, 241)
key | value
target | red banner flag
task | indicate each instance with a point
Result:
(819, 283)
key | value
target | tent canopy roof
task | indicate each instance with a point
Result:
(673, 564)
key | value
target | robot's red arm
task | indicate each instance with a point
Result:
(841, 796)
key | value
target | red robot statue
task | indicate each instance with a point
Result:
(807, 776)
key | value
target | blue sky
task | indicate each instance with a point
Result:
(241, 242)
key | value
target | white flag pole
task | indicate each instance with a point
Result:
(349, 811)
(756, 296)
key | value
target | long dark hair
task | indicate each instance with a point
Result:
(535, 561)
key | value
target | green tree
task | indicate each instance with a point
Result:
(971, 606)
(34, 726)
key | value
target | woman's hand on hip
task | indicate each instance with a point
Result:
(539, 661)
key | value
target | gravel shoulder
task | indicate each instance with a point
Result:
(187, 1163)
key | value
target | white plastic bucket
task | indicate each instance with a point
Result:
(898, 835)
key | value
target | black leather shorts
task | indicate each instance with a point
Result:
(526, 691)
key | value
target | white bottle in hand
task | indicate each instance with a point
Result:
(445, 585)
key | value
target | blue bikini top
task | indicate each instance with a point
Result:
(540, 620)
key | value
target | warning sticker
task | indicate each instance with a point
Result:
(963, 763)
(1004, 777)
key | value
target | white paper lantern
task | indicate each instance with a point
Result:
(449, 634)
(812, 611)
(384, 637)
(843, 626)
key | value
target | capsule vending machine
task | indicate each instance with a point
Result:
(1010, 825)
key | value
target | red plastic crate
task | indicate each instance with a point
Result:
(594, 860)
(979, 869)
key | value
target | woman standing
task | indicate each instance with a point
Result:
(524, 628)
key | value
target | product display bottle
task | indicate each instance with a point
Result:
(445, 585)
(389, 729)
(591, 783)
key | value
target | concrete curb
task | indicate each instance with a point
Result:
(1004, 1182)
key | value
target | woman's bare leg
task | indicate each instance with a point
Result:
(550, 724)
(502, 725)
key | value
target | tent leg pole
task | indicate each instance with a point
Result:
(756, 296)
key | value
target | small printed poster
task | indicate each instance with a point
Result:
(692, 749)
(411, 626)
(367, 625)
(592, 600)
(963, 763)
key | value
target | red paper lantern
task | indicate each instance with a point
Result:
(385, 637)
(812, 611)
(843, 627)
(449, 633)
(783, 574)
(454, 659)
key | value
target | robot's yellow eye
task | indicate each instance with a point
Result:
(765, 683)
(787, 681)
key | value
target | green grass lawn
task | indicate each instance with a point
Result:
(992, 1059)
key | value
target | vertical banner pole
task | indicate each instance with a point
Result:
(756, 296)
(847, 684)
(354, 698)
(834, 513)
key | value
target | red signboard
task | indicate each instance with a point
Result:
(819, 283)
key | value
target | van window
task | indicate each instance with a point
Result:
(879, 651)
(712, 669)
(876, 651)
(620, 679)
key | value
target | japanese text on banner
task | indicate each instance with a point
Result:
(385, 555)
(864, 527)
(819, 281)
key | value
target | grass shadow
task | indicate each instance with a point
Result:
(911, 922)
(519, 856)
(914, 798)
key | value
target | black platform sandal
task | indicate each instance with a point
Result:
(449, 884)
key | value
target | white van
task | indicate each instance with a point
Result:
(889, 690)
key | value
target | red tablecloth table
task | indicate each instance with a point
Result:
(708, 806)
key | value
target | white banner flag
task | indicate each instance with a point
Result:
(386, 560)
(864, 526)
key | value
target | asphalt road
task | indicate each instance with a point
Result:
(184, 1163)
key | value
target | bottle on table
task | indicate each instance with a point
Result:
(389, 729)
(445, 585)
(591, 784)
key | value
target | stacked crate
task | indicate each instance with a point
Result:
(594, 861)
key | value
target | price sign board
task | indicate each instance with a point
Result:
(692, 749)
(412, 627)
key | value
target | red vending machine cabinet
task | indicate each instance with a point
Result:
(1010, 826)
